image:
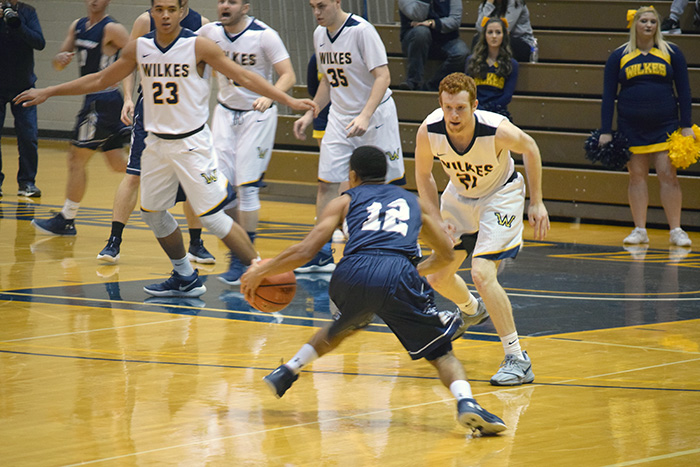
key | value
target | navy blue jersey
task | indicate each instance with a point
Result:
(382, 217)
(88, 42)
(192, 21)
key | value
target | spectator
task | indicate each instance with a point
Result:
(20, 34)
(672, 25)
(517, 17)
(645, 69)
(430, 29)
(313, 79)
(493, 68)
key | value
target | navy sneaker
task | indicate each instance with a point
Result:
(110, 253)
(468, 321)
(322, 262)
(199, 254)
(178, 286)
(280, 380)
(57, 225)
(29, 190)
(235, 271)
(471, 415)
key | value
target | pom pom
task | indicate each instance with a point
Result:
(613, 155)
(684, 150)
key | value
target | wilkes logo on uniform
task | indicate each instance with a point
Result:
(243, 59)
(645, 69)
(336, 58)
(261, 152)
(492, 79)
(210, 177)
(466, 167)
(506, 221)
(166, 70)
(393, 156)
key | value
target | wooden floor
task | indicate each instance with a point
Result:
(94, 372)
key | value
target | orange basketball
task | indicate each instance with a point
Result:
(275, 292)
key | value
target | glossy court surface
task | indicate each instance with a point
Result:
(92, 371)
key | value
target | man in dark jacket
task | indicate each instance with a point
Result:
(20, 34)
(430, 29)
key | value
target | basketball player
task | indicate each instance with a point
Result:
(244, 122)
(378, 275)
(353, 60)
(482, 205)
(172, 63)
(127, 192)
(96, 39)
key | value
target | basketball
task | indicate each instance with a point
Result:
(275, 292)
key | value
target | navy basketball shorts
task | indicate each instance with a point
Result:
(98, 125)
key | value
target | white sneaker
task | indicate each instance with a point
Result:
(678, 237)
(637, 236)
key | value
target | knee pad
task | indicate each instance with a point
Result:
(162, 223)
(217, 223)
(250, 198)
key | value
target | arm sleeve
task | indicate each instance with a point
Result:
(680, 77)
(312, 76)
(508, 86)
(607, 109)
(415, 10)
(30, 30)
(453, 21)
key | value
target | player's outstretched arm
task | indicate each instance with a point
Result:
(425, 182)
(436, 238)
(86, 84)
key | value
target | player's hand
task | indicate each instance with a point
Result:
(250, 281)
(262, 103)
(62, 59)
(301, 124)
(304, 104)
(451, 232)
(30, 97)
(127, 116)
(357, 127)
(539, 218)
(686, 131)
(604, 139)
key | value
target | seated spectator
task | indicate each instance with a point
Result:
(493, 68)
(430, 29)
(672, 24)
(518, 19)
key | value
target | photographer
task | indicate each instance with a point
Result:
(20, 34)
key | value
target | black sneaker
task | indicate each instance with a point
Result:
(199, 254)
(178, 286)
(29, 190)
(670, 26)
(110, 253)
(280, 380)
(471, 415)
(57, 225)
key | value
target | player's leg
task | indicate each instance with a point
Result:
(196, 251)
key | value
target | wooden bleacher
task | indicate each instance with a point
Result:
(557, 101)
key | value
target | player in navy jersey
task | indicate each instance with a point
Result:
(127, 193)
(174, 66)
(95, 40)
(244, 123)
(482, 205)
(646, 69)
(378, 276)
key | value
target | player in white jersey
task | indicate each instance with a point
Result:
(482, 206)
(171, 61)
(245, 122)
(352, 58)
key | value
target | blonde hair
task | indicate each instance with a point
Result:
(659, 41)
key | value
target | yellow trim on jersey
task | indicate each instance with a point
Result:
(636, 53)
(658, 53)
(318, 134)
(215, 206)
(658, 147)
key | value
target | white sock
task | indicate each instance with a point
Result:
(304, 356)
(182, 266)
(511, 345)
(70, 209)
(461, 389)
(470, 306)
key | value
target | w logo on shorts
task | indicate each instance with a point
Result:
(210, 177)
(261, 152)
(504, 220)
(393, 156)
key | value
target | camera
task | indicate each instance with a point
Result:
(10, 15)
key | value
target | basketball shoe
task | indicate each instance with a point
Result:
(280, 380)
(178, 286)
(479, 317)
(514, 371)
(471, 415)
(110, 253)
(322, 262)
(235, 271)
(57, 225)
(198, 253)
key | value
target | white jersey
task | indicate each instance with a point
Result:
(257, 48)
(175, 97)
(480, 170)
(347, 60)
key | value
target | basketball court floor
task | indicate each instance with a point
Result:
(94, 372)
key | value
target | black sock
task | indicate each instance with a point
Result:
(195, 234)
(117, 229)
